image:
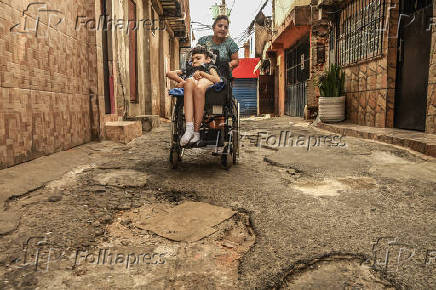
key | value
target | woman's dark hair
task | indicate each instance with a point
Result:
(220, 17)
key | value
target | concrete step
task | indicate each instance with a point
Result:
(417, 141)
(148, 121)
(123, 131)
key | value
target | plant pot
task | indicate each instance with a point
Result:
(331, 109)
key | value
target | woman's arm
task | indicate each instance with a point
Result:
(175, 75)
(235, 61)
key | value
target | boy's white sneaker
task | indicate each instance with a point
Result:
(186, 138)
(188, 134)
(195, 138)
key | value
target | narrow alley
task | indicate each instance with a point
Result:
(213, 144)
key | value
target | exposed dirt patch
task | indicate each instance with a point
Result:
(335, 272)
(334, 187)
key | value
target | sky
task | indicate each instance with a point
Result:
(242, 15)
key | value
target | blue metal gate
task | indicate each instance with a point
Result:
(245, 91)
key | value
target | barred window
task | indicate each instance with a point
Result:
(361, 27)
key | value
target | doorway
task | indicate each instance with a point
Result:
(266, 94)
(109, 100)
(297, 73)
(413, 61)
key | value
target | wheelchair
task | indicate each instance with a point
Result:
(219, 129)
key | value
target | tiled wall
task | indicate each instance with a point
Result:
(366, 93)
(45, 80)
(370, 84)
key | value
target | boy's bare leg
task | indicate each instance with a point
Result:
(188, 100)
(199, 100)
(189, 111)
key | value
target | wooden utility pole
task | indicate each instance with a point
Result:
(223, 8)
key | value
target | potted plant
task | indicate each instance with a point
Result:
(331, 104)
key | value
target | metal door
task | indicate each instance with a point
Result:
(413, 64)
(297, 72)
(245, 91)
(266, 94)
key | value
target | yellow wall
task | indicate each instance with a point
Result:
(282, 8)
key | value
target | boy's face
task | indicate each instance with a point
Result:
(199, 59)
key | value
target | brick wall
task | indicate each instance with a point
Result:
(316, 66)
(45, 80)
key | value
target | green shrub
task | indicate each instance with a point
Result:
(332, 82)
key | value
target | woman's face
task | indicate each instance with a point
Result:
(221, 28)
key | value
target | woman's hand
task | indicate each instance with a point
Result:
(180, 84)
(197, 75)
(230, 66)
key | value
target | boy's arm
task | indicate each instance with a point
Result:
(213, 76)
(175, 75)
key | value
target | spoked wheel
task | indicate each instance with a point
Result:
(177, 130)
(175, 158)
(227, 157)
(235, 132)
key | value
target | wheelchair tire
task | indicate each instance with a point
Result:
(174, 158)
(226, 159)
(235, 137)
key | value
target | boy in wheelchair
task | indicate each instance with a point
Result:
(199, 75)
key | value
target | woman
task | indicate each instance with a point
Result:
(194, 103)
(220, 42)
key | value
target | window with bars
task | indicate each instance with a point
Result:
(361, 28)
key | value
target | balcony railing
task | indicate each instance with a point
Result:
(176, 14)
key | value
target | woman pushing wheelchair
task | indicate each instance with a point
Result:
(203, 72)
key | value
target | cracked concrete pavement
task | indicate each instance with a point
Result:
(304, 219)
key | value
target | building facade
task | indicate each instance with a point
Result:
(387, 49)
(66, 69)
(292, 56)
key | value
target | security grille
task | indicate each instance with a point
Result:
(298, 62)
(361, 27)
(297, 72)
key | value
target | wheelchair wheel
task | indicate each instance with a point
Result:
(174, 158)
(235, 131)
(177, 130)
(227, 157)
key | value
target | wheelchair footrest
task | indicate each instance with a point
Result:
(200, 144)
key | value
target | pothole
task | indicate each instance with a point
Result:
(335, 272)
(334, 187)
(121, 178)
(150, 261)
(280, 165)
(175, 196)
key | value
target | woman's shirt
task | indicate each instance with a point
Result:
(225, 49)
